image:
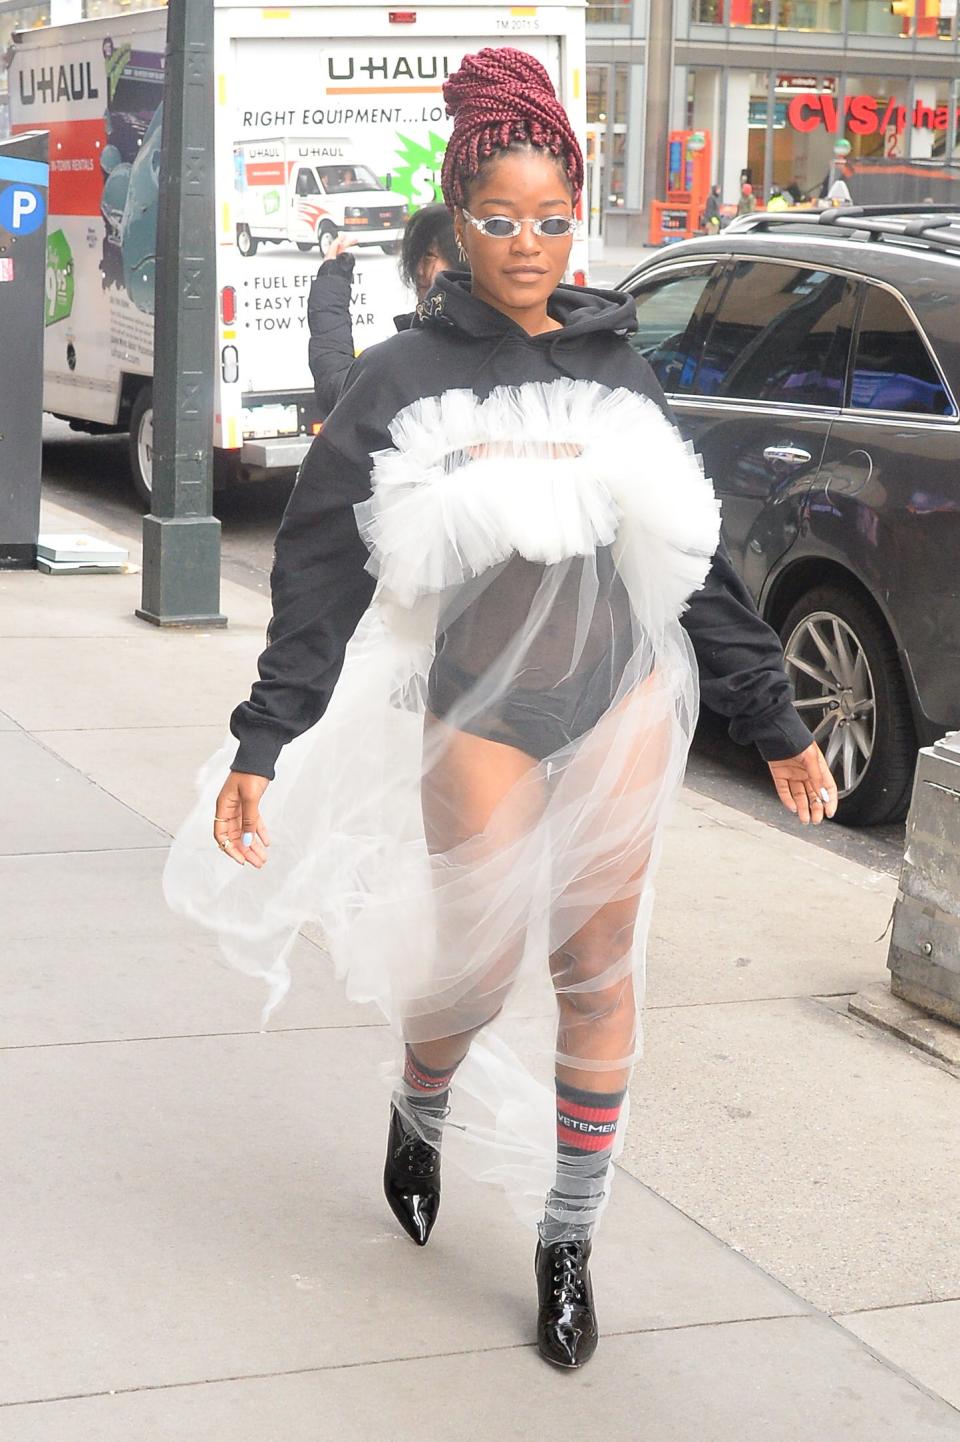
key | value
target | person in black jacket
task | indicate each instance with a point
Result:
(428, 247)
(477, 699)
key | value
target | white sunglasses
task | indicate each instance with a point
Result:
(500, 227)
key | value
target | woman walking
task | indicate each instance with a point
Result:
(477, 700)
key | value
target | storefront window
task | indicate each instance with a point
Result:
(608, 12)
(806, 126)
(874, 17)
(608, 88)
(822, 15)
(819, 15)
(707, 12)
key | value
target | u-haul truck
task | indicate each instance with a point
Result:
(329, 120)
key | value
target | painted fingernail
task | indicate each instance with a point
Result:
(247, 838)
(824, 794)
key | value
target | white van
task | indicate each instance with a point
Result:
(305, 96)
(308, 192)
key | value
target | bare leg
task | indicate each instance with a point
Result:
(467, 784)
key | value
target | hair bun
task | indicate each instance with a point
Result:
(497, 98)
(490, 75)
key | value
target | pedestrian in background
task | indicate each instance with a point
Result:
(777, 201)
(427, 247)
(748, 201)
(711, 211)
(477, 700)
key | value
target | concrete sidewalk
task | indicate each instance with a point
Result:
(195, 1243)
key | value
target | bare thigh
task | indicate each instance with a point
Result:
(479, 799)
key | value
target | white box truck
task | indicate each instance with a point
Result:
(329, 119)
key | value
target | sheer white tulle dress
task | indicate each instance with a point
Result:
(533, 552)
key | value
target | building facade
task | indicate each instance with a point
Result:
(775, 83)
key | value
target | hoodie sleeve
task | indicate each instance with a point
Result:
(741, 665)
(320, 591)
(739, 657)
(331, 349)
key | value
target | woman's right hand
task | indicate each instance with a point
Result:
(238, 828)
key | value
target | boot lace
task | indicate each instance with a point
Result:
(418, 1157)
(569, 1274)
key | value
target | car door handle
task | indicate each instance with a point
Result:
(787, 456)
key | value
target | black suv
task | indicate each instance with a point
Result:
(814, 362)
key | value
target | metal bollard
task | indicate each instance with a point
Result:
(924, 959)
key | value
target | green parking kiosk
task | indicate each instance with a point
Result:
(24, 177)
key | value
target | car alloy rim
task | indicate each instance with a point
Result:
(145, 448)
(835, 694)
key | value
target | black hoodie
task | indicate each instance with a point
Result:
(319, 582)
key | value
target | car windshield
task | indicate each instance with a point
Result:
(341, 179)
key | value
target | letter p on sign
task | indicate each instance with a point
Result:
(21, 209)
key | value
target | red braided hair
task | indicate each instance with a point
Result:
(500, 98)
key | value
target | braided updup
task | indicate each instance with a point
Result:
(500, 98)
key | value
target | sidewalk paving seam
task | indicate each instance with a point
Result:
(36, 738)
(192, 1036)
(417, 1357)
(91, 850)
(894, 1306)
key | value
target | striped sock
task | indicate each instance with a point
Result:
(424, 1087)
(586, 1129)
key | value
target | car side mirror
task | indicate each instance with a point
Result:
(388, 182)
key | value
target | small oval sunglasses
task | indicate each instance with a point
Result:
(500, 227)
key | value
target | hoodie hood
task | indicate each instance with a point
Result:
(450, 305)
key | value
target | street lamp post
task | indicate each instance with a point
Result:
(181, 538)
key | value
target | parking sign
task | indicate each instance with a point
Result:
(23, 205)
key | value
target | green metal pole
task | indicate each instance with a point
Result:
(181, 538)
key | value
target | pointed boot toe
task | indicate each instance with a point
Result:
(567, 1332)
(411, 1179)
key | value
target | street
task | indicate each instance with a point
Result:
(88, 474)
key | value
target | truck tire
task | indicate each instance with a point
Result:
(305, 245)
(141, 445)
(856, 704)
(246, 243)
(390, 247)
(326, 235)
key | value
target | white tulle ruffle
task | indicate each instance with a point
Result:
(547, 472)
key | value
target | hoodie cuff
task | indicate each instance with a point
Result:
(257, 755)
(341, 264)
(777, 737)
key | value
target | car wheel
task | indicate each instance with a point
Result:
(850, 690)
(326, 235)
(141, 446)
(246, 243)
(390, 247)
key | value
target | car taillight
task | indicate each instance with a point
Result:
(228, 305)
(579, 277)
(403, 17)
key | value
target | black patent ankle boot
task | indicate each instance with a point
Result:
(411, 1179)
(566, 1323)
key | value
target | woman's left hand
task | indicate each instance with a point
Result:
(805, 785)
